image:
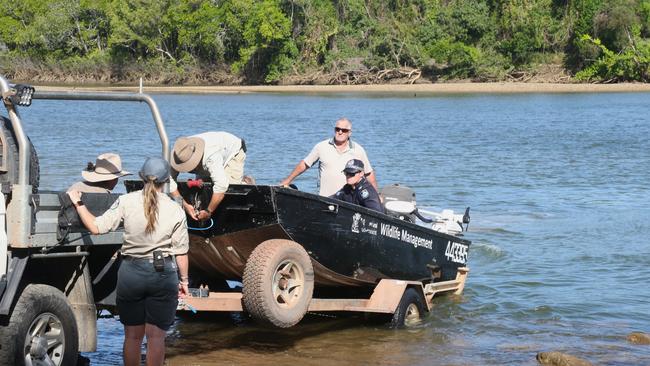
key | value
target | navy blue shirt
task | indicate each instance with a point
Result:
(364, 194)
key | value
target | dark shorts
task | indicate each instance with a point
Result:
(147, 296)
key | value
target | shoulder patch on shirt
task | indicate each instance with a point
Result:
(365, 194)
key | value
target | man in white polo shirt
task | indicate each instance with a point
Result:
(332, 155)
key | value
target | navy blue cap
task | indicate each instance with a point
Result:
(156, 167)
(353, 166)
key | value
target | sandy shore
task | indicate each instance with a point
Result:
(439, 88)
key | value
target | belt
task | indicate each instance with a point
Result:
(131, 258)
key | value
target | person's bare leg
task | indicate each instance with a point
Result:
(133, 335)
(155, 345)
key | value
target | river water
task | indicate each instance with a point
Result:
(559, 190)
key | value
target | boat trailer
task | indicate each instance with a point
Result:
(386, 297)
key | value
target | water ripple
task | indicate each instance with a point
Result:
(559, 196)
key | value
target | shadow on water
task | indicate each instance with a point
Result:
(214, 332)
(345, 339)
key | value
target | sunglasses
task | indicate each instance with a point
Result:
(350, 174)
(339, 129)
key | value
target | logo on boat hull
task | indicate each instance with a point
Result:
(356, 218)
(359, 225)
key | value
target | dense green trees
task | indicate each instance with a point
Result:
(322, 41)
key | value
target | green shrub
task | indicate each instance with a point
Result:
(632, 64)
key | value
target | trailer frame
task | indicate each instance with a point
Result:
(385, 297)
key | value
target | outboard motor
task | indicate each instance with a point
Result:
(399, 201)
(398, 193)
(448, 222)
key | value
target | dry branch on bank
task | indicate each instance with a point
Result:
(359, 77)
(550, 73)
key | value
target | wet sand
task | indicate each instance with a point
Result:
(425, 89)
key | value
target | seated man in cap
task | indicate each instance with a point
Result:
(358, 190)
(102, 176)
(218, 156)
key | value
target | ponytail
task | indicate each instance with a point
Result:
(150, 194)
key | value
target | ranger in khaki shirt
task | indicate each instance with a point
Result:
(332, 155)
(148, 283)
(170, 234)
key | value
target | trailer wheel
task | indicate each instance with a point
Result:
(41, 330)
(410, 311)
(278, 283)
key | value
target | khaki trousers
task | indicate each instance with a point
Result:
(235, 168)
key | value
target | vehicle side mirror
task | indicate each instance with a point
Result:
(401, 207)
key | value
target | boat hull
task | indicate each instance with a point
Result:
(349, 245)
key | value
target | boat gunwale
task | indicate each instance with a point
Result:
(364, 210)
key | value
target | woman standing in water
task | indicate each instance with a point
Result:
(153, 272)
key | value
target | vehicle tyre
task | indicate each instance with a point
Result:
(410, 311)
(11, 175)
(42, 328)
(278, 283)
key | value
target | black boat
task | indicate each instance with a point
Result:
(348, 245)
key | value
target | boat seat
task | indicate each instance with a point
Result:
(397, 192)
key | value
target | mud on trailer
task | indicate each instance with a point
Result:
(55, 277)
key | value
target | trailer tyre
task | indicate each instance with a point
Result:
(42, 328)
(278, 283)
(410, 311)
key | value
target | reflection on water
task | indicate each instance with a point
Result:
(558, 186)
(315, 341)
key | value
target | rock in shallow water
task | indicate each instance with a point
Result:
(560, 359)
(638, 338)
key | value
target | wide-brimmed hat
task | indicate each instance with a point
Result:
(155, 167)
(187, 154)
(107, 167)
(353, 166)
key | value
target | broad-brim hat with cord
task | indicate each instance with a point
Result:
(155, 167)
(107, 167)
(187, 153)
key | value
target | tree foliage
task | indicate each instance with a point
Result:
(267, 48)
(633, 63)
(266, 41)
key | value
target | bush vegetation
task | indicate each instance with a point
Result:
(322, 41)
